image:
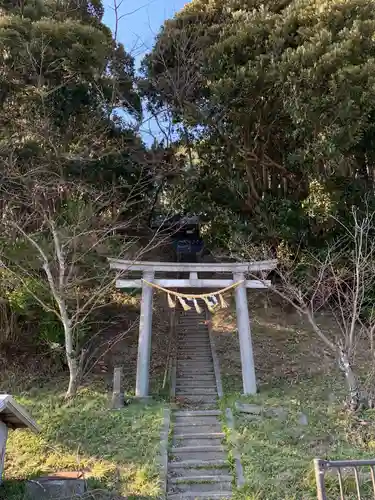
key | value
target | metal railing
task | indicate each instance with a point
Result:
(344, 469)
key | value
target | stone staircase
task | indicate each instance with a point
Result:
(198, 464)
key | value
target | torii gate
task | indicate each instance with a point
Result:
(149, 270)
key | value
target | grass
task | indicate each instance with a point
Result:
(116, 449)
(277, 455)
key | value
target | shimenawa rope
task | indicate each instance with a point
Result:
(209, 298)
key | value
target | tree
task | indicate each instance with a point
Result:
(339, 282)
(278, 96)
(58, 250)
(76, 179)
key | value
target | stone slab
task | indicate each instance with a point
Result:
(200, 494)
(302, 419)
(201, 471)
(204, 458)
(187, 441)
(55, 489)
(202, 487)
(248, 408)
(188, 464)
(187, 430)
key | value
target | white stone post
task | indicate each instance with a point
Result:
(244, 332)
(3, 444)
(144, 341)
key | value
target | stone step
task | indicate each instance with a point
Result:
(196, 349)
(193, 315)
(189, 389)
(202, 378)
(194, 344)
(201, 454)
(192, 332)
(202, 349)
(187, 373)
(199, 355)
(196, 421)
(198, 398)
(193, 322)
(192, 326)
(197, 413)
(201, 494)
(177, 472)
(199, 464)
(191, 430)
(191, 369)
(219, 477)
(193, 341)
(200, 435)
(200, 448)
(186, 442)
(185, 330)
(194, 357)
(191, 363)
(195, 383)
(192, 488)
(195, 363)
(200, 319)
(200, 404)
(198, 373)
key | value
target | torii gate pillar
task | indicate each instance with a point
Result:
(244, 333)
(144, 342)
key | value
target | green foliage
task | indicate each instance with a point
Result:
(22, 297)
(19, 294)
(279, 98)
(51, 331)
(61, 79)
(74, 172)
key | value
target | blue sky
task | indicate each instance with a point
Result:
(140, 22)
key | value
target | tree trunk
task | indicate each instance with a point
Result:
(74, 377)
(74, 366)
(351, 380)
